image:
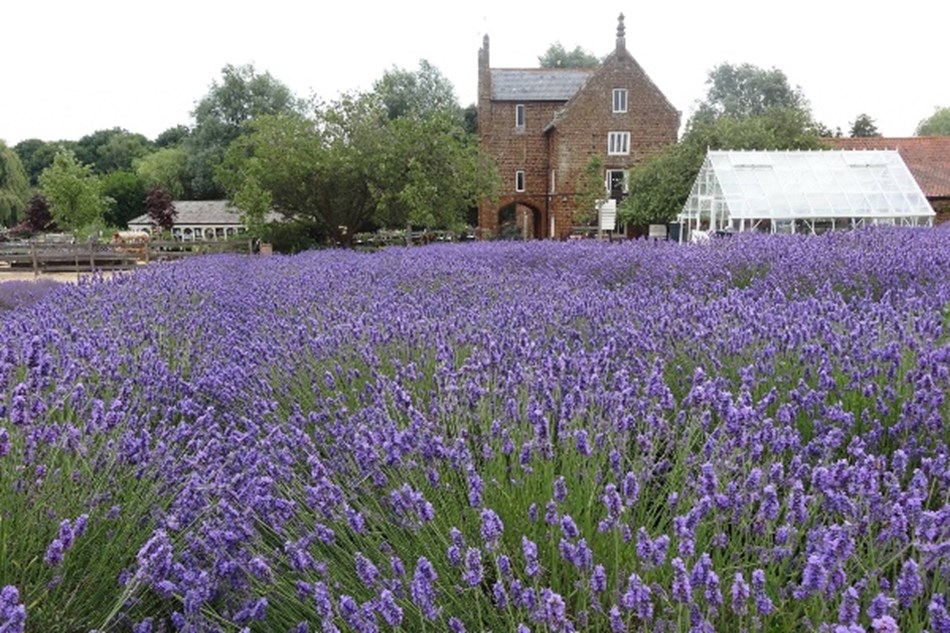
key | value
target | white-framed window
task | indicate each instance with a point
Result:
(519, 116)
(519, 180)
(618, 143)
(620, 99)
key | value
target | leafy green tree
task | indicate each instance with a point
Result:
(14, 186)
(558, 57)
(254, 202)
(240, 96)
(167, 168)
(746, 90)
(112, 149)
(863, 126)
(160, 208)
(423, 93)
(937, 124)
(590, 189)
(172, 136)
(746, 107)
(37, 155)
(73, 191)
(127, 194)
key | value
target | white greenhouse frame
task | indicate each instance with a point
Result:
(803, 191)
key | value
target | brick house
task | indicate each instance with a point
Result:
(542, 125)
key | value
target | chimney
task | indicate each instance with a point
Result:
(621, 40)
(484, 86)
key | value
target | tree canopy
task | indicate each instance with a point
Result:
(167, 168)
(558, 57)
(746, 108)
(937, 124)
(14, 187)
(863, 126)
(745, 90)
(73, 191)
(242, 95)
(393, 157)
(125, 194)
(37, 155)
(111, 150)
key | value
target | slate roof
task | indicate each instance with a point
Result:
(537, 84)
(197, 212)
(927, 157)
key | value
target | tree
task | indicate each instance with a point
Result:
(126, 192)
(660, 186)
(747, 90)
(73, 191)
(112, 149)
(167, 168)
(14, 186)
(423, 93)
(863, 126)
(172, 136)
(590, 189)
(38, 216)
(557, 57)
(937, 124)
(37, 155)
(220, 116)
(160, 208)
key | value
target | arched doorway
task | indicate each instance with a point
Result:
(517, 221)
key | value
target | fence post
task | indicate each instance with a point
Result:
(92, 256)
(148, 250)
(36, 263)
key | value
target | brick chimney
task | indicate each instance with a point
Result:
(484, 86)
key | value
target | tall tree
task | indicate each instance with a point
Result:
(73, 191)
(167, 168)
(746, 90)
(14, 186)
(422, 93)
(172, 136)
(112, 149)
(37, 155)
(558, 57)
(160, 208)
(761, 113)
(240, 96)
(937, 124)
(863, 126)
(126, 193)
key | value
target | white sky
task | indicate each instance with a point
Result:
(71, 68)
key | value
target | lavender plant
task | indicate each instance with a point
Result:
(552, 437)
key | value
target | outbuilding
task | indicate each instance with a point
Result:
(803, 191)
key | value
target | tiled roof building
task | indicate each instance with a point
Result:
(542, 125)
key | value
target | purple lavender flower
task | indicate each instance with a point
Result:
(569, 528)
(939, 618)
(473, 567)
(762, 601)
(492, 528)
(682, 590)
(887, 624)
(740, 595)
(617, 625)
(560, 489)
(909, 585)
(530, 551)
(499, 595)
(12, 612)
(504, 565)
(365, 570)
(456, 625)
(598, 579)
(423, 588)
(387, 607)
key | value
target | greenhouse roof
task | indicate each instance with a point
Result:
(788, 185)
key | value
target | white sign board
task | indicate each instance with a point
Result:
(607, 215)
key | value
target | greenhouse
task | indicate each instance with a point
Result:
(803, 191)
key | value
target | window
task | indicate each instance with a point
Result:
(519, 180)
(618, 143)
(620, 99)
(617, 182)
(519, 116)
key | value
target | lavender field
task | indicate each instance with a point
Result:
(507, 437)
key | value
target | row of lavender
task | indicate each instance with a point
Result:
(747, 435)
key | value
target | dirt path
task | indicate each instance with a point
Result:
(29, 276)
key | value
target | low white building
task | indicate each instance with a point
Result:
(803, 191)
(200, 220)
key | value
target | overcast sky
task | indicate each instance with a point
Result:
(73, 67)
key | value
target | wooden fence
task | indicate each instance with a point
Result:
(50, 257)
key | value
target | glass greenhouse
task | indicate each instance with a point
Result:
(803, 191)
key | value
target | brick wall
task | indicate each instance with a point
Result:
(580, 129)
